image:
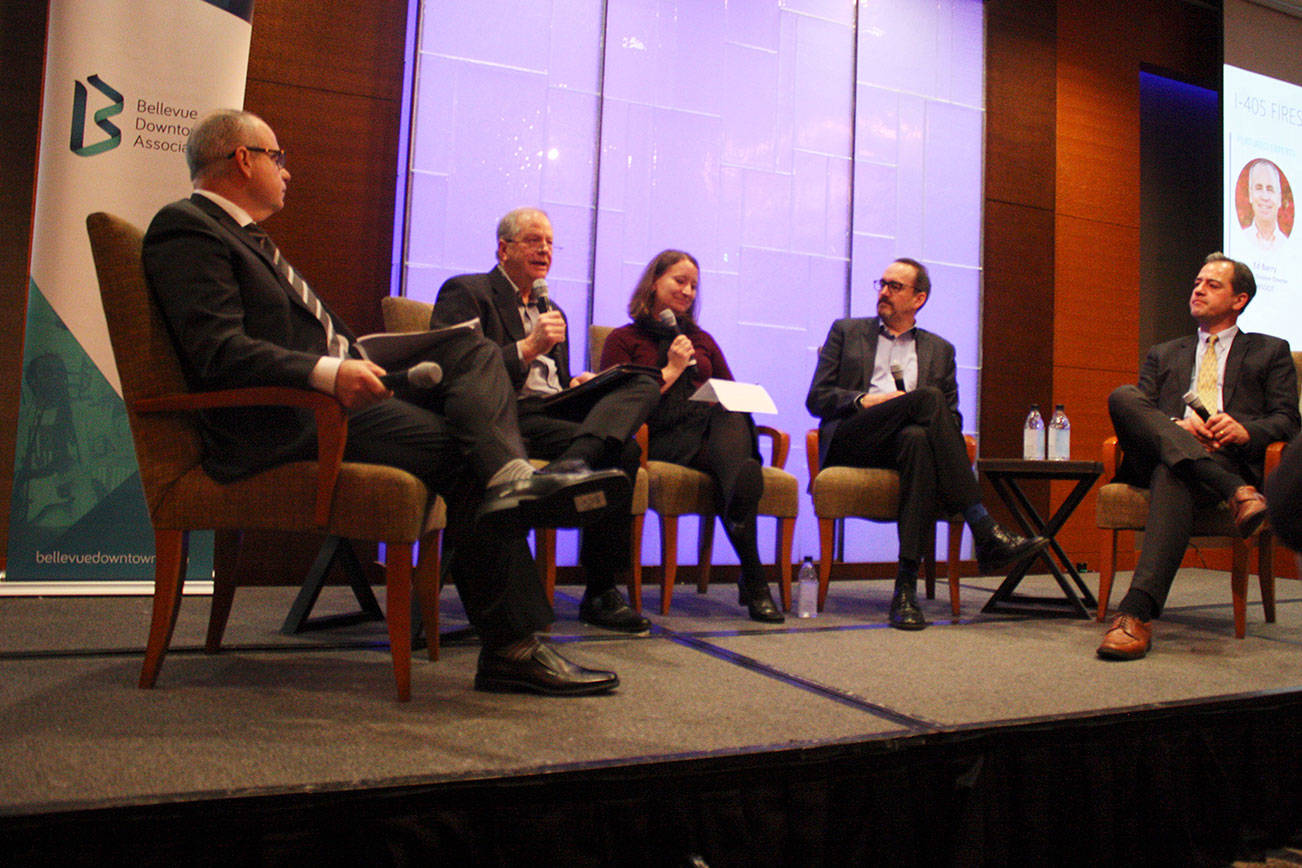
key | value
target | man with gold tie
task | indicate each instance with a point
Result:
(1246, 386)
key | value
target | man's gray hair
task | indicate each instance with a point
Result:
(509, 226)
(215, 136)
(1243, 280)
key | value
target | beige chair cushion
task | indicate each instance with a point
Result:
(1125, 507)
(861, 492)
(405, 314)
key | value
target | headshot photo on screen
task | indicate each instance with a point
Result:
(1263, 205)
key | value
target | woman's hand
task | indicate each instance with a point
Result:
(681, 353)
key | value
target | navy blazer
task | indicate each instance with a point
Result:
(235, 322)
(1259, 390)
(845, 368)
(492, 299)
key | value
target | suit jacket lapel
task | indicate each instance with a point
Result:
(507, 304)
(1233, 363)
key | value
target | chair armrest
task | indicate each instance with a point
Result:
(1272, 458)
(811, 452)
(970, 442)
(643, 438)
(331, 425)
(781, 445)
(1111, 457)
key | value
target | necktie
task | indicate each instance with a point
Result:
(1207, 378)
(337, 344)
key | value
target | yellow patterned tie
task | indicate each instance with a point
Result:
(1207, 378)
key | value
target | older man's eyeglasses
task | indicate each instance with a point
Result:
(537, 242)
(277, 156)
(892, 285)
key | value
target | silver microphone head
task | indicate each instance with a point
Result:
(425, 375)
(540, 294)
(667, 318)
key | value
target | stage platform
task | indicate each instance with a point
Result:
(991, 739)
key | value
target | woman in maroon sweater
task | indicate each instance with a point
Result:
(664, 334)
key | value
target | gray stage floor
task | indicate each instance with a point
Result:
(317, 711)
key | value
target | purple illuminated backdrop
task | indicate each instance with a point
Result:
(794, 146)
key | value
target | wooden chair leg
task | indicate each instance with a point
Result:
(1107, 569)
(225, 560)
(171, 549)
(545, 540)
(1266, 573)
(826, 540)
(635, 559)
(428, 582)
(704, 553)
(786, 536)
(929, 562)
(397, 581)
(668, 559)
(952, 563)
(1239, 586)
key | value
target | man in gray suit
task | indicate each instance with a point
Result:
(888, 397)
(1247, 387)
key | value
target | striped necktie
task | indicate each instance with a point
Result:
(337, 344)
(1208, 376)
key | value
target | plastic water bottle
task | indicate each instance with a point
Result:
(1059, 435)
(1033, 435)
(807, 590)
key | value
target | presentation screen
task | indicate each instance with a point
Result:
(1263, 141)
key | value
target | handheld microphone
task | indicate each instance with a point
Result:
(898, 373)
(667, 318)
(540, 296)
(425, 375)
(1194, 403)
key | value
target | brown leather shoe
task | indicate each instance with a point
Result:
(1249, 510)
(1127, 639)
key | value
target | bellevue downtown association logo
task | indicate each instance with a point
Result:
(101, 118)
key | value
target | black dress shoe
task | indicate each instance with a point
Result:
(905, 614)
(543, 670)
(1003, 548)
(759, 604)
(570, 495)
(609, 610)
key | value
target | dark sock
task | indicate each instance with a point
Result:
(983, 527)
(906, 577)
(1138, 604)
(587, 448)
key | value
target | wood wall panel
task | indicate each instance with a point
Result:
(1020, 86)
(1097, 297)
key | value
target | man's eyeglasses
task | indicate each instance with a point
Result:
(277, 156)
(892, 285)
(537, 242)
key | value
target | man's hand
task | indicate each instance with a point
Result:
(1226, 430)
(1195, 426)
(865, 400)
(357, 384)
(547, 332)
(581, 378)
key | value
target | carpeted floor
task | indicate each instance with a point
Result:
(316, 711)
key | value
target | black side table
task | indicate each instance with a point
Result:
(1006, 474)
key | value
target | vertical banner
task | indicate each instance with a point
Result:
(124, 82)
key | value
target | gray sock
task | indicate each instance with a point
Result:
(516, 468)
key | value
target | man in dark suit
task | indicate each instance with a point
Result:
(535, 351)
(874, 417)
(1247, 384)
(240, 316)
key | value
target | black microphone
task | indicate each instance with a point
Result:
(1194, 403)
(540, 297)
(425, 375)
(898, 373)
(667, 318)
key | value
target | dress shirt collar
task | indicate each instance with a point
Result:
(238, 214)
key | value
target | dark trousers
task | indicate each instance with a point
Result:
(454, 437)
(917, 435)
(1180, 476)
(611, 424)
(1284, 494)
(727, 455)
